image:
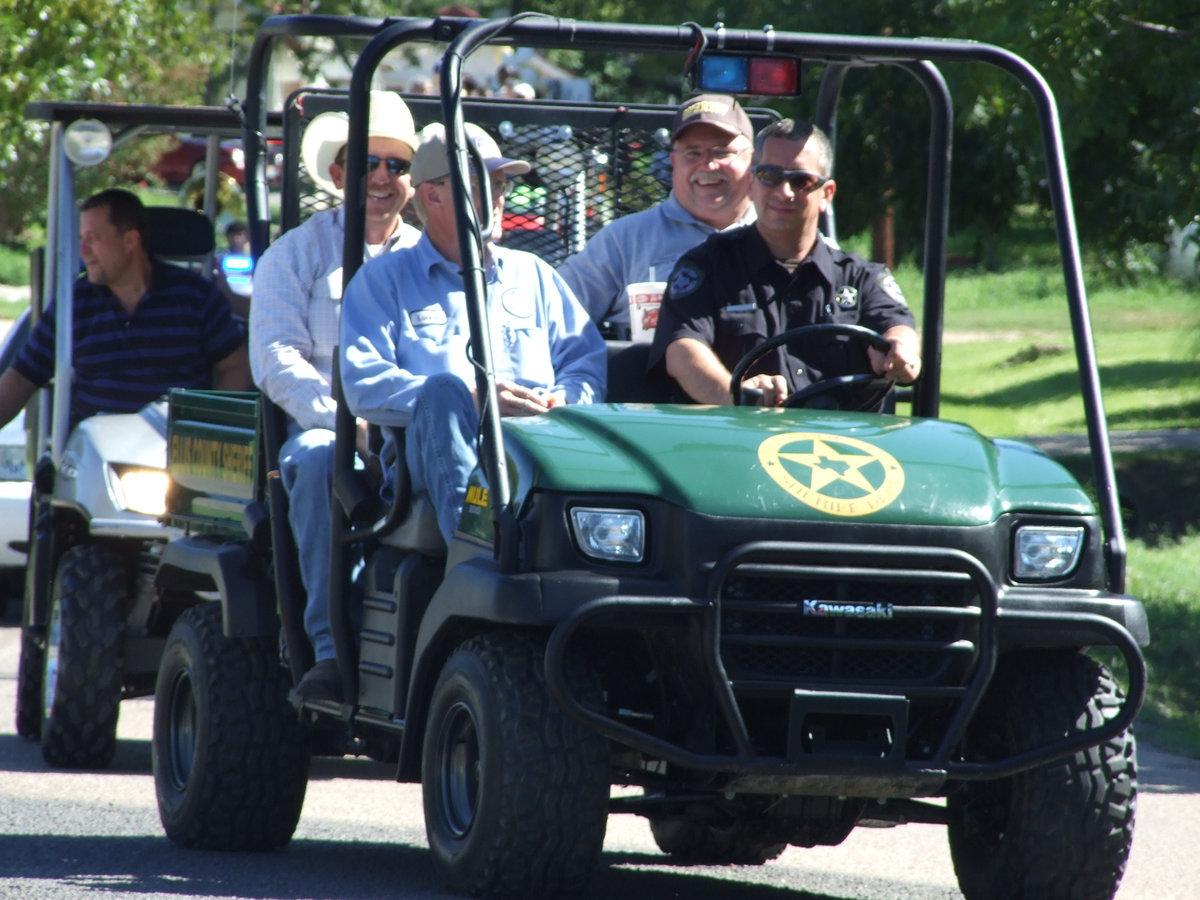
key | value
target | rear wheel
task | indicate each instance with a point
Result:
(81, 675)
(230, 756)
(515, 793)
(1062, 830)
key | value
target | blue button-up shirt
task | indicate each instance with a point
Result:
(404, 318)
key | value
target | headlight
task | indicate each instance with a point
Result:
(616, 535)
(144, 491)
(1043, 551)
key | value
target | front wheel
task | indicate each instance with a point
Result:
(82, 666)
(1064, 829)
(515, 793)
(230, 757)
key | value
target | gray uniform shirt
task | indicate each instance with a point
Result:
(642, 246)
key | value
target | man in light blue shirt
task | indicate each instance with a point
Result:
(404, 354)
(294, 336)
(711, 140)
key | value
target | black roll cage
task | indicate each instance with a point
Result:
(919, 57)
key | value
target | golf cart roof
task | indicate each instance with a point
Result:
(166, 119)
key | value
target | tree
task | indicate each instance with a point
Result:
(1122, 71)
(113, 50)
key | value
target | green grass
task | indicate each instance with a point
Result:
(14, 265)
(1164, 577)
(1009, 366)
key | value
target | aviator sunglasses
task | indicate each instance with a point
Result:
(395, 165)
(798, 180)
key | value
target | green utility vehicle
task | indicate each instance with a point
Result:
(92, 626)
(773, 624)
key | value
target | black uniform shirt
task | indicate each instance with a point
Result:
(732, 294)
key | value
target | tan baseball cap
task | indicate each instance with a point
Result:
(432, 162)
(719, 110)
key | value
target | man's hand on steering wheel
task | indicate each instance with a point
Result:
(877, 384)
(902, 363)
(774, 389)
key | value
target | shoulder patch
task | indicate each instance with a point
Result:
(887, 282)
(685, 279)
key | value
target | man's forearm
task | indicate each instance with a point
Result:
(698, 371)
(233, 372)
(15, 391)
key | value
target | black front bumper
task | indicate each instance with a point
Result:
(840, 669)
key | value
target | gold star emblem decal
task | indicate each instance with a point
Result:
(842, 476)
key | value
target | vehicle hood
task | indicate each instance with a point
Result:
(791, 464)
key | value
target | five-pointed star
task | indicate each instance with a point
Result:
(827, 464)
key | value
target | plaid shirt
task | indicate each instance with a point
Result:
(295, 314)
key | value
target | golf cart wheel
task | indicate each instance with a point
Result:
(29, 686)
(1064, 829)
(515, 793)
(82, 665)
(742, 842)
(230, 756)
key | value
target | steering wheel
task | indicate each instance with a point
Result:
(879, 385)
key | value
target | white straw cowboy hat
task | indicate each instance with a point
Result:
(329, 132)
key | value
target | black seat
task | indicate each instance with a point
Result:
(628, 381)
(179, 235)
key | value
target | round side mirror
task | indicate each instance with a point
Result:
(87, 142)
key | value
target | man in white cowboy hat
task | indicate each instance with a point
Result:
(294, 319)
(404, 360)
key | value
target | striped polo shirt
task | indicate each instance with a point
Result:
(180, 329)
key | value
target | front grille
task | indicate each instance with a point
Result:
(769, 634)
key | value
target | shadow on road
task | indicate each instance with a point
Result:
(318, 870)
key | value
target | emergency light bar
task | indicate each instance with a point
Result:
(771, 76)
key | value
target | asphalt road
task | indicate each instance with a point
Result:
(73, 835)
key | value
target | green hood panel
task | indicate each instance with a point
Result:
(790, 464)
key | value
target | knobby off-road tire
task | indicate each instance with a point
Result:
(1060, 831)
(29, 686)
(515, 793)
(230, 755)
(743, 842)
(82, 670)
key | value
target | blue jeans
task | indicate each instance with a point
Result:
(440, 447)
(306, 467)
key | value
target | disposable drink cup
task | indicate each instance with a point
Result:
(645, 297)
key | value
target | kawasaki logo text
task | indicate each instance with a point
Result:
(848, 610)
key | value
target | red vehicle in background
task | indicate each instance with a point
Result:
(186, 160)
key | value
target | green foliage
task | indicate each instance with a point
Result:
(1122, 71)
(113, 50)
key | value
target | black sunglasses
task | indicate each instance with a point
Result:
(798, 180)
(395, 165)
